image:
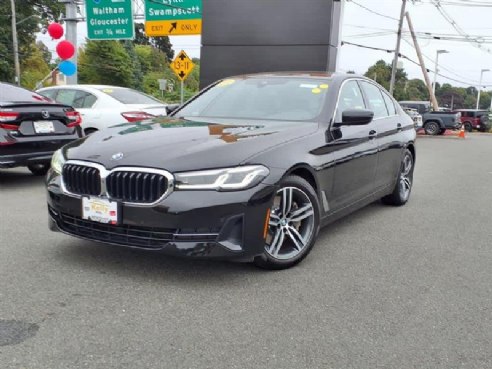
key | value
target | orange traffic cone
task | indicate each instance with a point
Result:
(462, 132)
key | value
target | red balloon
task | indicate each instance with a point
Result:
(55, 30)
(65, 50)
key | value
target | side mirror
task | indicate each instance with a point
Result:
(170, 108)
(356, 117)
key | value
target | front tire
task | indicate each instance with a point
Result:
(468, 127)
(293, 227)
(39, 169)
(403, 187)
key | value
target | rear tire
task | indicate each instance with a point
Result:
(432, 128)
(403, 187)
(294, 225)
(39, 169)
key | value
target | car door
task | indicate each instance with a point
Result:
(389, 129)
(355, 151)
(83, 102)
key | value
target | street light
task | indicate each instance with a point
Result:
(480, 86)
(435, 70)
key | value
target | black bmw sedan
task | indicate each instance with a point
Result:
(249, 169)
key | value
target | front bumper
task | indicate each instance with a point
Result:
(201, 224)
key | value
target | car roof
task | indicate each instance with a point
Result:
(97, 87)
(477, 110)
(299, 74)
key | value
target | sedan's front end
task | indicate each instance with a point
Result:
(213, 213)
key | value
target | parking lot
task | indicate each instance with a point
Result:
(386, 287)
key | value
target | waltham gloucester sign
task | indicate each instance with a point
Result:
(173, 17)
(109, 19)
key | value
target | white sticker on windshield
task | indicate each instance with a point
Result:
(304, 85)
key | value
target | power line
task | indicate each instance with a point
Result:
(413, 62)
(450, 20)
(374, 12)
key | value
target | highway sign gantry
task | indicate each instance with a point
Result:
(182, 65)
(173, 17)
(109, 19)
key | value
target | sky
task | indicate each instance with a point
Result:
(464, 61)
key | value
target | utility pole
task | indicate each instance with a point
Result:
(16, 44)
(480, 86)
(422, 63)
(397, 49)
(436, 68)
(71, 32)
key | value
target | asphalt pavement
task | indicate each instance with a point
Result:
(387, 287)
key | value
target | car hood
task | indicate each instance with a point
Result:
(183, 144)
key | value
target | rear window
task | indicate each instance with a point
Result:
(11, 93)
(128, 96)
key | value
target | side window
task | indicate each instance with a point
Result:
(48, 93)
(66, 97)
(350, 98)
(375, 100)
(83, 100)
(390, 105)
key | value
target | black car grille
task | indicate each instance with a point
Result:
(126, 235)
(82, 180)
(138, 187)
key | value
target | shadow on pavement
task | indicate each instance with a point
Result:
(15, 178)
(134, 263)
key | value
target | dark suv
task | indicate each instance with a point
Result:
(471, 119)
(32, 127)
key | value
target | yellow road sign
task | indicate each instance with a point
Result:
(182, 65)
(173, 27)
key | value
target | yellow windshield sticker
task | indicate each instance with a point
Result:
(323, 86)
(226, 82)
(316, 91)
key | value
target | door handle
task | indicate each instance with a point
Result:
(398, 127)
(372, 134)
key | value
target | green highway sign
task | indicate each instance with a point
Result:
(161, 10)
(109, 19)
(173, 17)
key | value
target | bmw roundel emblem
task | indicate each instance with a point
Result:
(117, 156)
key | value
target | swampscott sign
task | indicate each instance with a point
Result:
(109, 19)
(173, 17)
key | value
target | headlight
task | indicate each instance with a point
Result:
(228, 179)
(57, 161)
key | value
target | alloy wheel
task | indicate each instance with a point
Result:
(406, 177)
(292, 224)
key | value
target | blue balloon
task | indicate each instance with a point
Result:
(67, 68)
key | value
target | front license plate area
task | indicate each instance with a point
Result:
(100, 210)
(44, 126)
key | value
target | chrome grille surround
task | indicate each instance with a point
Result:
(104, 173)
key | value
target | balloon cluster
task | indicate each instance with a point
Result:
(64, 49)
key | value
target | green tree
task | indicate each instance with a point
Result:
(381, 73)
(31, 15)
(416, 89)
(105, 62)
(137, 74)
(34, 67)
(161, 43)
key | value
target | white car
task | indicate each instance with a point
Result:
(105, 106)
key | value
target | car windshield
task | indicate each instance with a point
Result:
(129, 96)
(269, 98)
(10, 93)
